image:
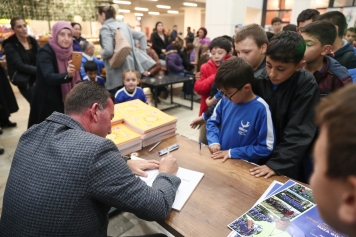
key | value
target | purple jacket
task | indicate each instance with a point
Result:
(174, 62)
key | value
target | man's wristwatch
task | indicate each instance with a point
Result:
(148, 73)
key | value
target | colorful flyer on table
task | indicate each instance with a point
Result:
(290, 211)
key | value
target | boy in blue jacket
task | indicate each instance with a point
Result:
(246, 128)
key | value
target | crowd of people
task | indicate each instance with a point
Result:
(259, 93)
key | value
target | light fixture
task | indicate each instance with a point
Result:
(153, 13)
(119, 17)
(172, 12)
(124, 10)
(141, 9)
(122, 2)
(163, 6)
(189, 4)
(138, 18)
(138, 14)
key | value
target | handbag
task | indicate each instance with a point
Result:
(20, 79)
(122, 49)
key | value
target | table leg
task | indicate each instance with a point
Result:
(171, 93)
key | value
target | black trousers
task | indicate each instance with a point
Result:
(27, 92)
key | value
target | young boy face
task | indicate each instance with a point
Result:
(91, 75)
(314, 50)
(279, 72)
(237, 95)
(217, 55)
(277, 27)
(350, 36)
(130, 81)
(327, 191)
(249, 50)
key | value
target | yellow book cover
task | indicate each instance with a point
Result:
(133, 107)
(118, 117)
(151, 120)
(121, 134)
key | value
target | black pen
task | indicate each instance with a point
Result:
(154, 146)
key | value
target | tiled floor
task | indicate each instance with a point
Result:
(125, 224)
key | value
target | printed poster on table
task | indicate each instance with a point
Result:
(290, 212)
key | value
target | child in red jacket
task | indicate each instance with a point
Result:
(220, 49)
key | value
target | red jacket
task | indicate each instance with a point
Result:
(202, 86)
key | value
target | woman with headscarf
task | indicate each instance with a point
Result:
(78, 40)
(201, 44)
(159, 40)
(21, 55)
(56, 74)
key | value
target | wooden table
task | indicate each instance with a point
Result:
(226, 191)
(156, 82)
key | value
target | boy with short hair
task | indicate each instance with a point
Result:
(292, 94)
(343, 50)
(306, 16)
(91, 70)
(330, 75)
(350, 34)
(334, 177)
(276, 25)
(250, 44)
(241, 125)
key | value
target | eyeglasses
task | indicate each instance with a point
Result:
(229, 97)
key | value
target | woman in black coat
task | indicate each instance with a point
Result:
(21, 55)
(159, 40)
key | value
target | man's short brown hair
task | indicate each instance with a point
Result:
(253, 31)
(337, 113)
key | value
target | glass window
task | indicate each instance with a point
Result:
(343, 3)
(322, 3)
(270, 15)
(286, 15)
(272, 4)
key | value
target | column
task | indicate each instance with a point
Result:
(222, 16)
(299, 6)
(192, 18)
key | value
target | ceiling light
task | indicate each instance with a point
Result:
(189, 4)
(141, 9)
(124, 10)
(153, 13)
(119, 17)
(138, 14)
(122, 2)
(172, 12)
(164, 6)
(139, 18)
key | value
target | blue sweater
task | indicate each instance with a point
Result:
(98, 79)
(246, 129)
(122, 95)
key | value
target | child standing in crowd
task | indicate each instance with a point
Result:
(276, 25)
(241, 125)
(219, 48)
(292, 95)
(350, 34)
(330, 75)
(91, 70)
(174, 62)
(130, 91)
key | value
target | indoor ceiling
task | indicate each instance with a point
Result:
(151, 5)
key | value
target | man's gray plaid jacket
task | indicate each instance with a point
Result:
(63, 181)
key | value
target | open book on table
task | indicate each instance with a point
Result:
(189, 181)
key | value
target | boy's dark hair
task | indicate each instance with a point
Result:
(286, 47)
(275, 20)
(220, 42)
(90, 66)
(337, 18)
(253, 31)
(234, 73)
(307, 15)
(352, 29)
(269, 35)
(323, 31)
(290, 27)
(337, 113)
(84, 95)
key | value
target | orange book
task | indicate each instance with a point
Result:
(118, 117)
(121, 135)
(133, 107)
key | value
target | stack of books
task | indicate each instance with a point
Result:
(126, 140)
(285, 209)
(149, 123)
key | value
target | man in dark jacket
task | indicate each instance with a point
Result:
(66, 175)
(343, 50)
(190, 36)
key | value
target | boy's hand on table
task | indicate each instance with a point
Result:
(197, 123)
(221, 155)
(138, 167)
(263, 170)
(214, 148)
